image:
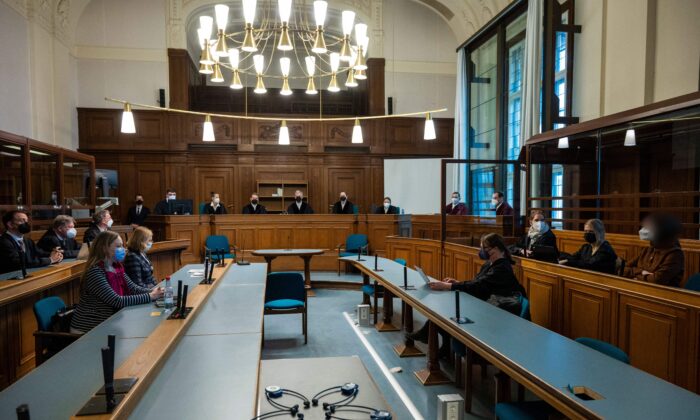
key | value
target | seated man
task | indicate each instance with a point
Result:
(17, 251)
(216, 206)
(162, 206)
(61, 235)
(343, 206)
(254, 207)
(137, 213)
(299, 206)
(502, 207)
(101, 221)
(387, 208)
(455, 208)
(663, 261)
(596, 254)
(539, 242)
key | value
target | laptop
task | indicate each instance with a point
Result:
(425, 278)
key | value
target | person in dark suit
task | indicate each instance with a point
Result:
(136, 264)
(387, 208)
(216, 206)
(254, 207)
(299, 206)
(539, 242)
(137, 213)
(17, 251)
(162, 206)
(101, 221)
(343, 206)
(61, 235)
(499, 202)
(455, 207)
(596, 254)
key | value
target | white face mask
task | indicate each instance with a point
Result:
(71, 233)
(387, 205)
(216, 201)
(537, 226)
(455, 201)
(109, 223)
(645, 234)
(148, 246)
(494, 202)
(172, 197)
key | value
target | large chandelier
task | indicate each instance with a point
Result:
(267, 49)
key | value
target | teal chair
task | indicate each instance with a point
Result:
(535, 410)
(285, 294)
(51, 337)
(216, 242)
(203, 208)
(355, 209)
(375, 290)
(354, 244)
(693, 283)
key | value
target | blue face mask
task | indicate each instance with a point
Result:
(483, 254)
(119, 254)
(148, 246)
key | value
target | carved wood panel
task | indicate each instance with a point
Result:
(587, 311)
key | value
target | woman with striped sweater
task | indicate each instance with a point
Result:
(105, 287)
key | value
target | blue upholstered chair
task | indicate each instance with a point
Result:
(693, 282)
(216, 242)
(535, 410)
(375, 290)
(203, 207)
(355, 209)
(47, 340)
(285, 294)
(354, 244)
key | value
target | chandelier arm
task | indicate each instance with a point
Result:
(244, 117)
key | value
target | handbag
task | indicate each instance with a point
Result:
(512, 303)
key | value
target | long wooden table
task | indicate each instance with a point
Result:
(543, 361)
(17, 298)
(658, 326)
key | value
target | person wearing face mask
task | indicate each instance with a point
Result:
(299, 206)
(162, 207)
(105, 287)
(136, 264)
(254, 207)
(596, 254)
(539, 243)
(62, 236)
(663, 261)
(216, 206)
(137, 213)
(387, 208)
(343, 206)
(455, 208)
(17, 250)
(500, 204)
(101, 221)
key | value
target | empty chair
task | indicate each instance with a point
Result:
(693, 282)
(52, 335)
(203, 207)
(354, 244)
(217, 242)
(285, 294)
(605, 348)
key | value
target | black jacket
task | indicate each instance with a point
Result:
(348, 209)
(139, 269)
(137, 219)
(91, 233)
(544, 247)
(219, 210)
(494, 278)
(50, 241)
(259, 209)
(162, 207)
(11, 254)
(390, 210)
(305, 208)
(602, 261)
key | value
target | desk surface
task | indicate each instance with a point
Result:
(550, 359)
(283, 252)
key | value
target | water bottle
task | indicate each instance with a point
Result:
(402, 211)
(168, 295)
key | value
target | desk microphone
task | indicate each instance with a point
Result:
(458, 318)
(405, 279)
(206, 268)
(23, 412)
(108, 372)
(359, 254)
(179, 296)
(221, 253)
(210, 277)
(243, 261)
(376, 263)
(23, 263)
(183, 308)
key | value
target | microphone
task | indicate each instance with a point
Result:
(23, 263)
(210, 278)
(206, 269)
(242, 261)
(359, 254)
(458, 318)
(179, 296)
(183, 308)
(405, 277)
(376, 263)
(108, 372)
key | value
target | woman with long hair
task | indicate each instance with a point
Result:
(137, 265)
(596, 254)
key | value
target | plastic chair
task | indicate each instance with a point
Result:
(216, 242)
(693, 283)
(354, 244)
(285, 294)
(47, 341)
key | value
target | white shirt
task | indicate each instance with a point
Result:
(138, 209)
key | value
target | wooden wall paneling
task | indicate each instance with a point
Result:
(463, 267)
(152, 131)
(428, 258)
(375, 86)
(587, 310)
(213, 179)
(267, 133)
(179, 63)
(150, 182)
(6, 365)
(350, 180)
(543, 290)
(401, 136)
(100, 129)
(245, 185)
(318, 185)
(376, 195)
(339, 133)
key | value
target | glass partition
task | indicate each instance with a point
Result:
(76, 187)
(43, 168)
(12, 175)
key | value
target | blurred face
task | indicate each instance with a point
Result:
(343, 196)
(387, 203)
(113, 247)
(148, 240)
(298, 195)
(139, 199)
(19, 219)
(65, 228)
(496, 198)
(538, 218)
(105, 220)
(254, 198)
(171, 196)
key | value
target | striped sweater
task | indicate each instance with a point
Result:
(98, 301)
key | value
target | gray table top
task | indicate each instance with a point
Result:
(312, 375)
(14, 275)
(557, 360)
(283, 252)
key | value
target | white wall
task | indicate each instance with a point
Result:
(15, 91)
(414, 184)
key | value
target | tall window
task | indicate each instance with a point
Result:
(557, 191)
(483, 189)
(560, 75)
(515, 45)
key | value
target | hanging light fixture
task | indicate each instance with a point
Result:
(249, 16)
(221, 12)
(204, 33)
(357, 132)
(360, 75)
(350, 81)
(335, 63)
(285, 62)
(311, 68)
(320, 8)
(128, 126)
(630, 138)
(217, 77)
(563, 143)
(259, 61)
(429, 130)
(284, 133)
(362, 43)
(208, 130)
(285, 44)
(348, 18)
(234, 60)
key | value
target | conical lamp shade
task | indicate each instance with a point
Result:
(333, 85)
(357, 133)
(128, 125)
(429, 132)
(260, 85)
(284, 133)
(311, 87)
(630, 138)
(208, 131)
(236, 81)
